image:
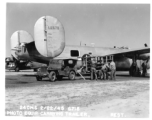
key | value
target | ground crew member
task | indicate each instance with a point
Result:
(113, 70)
(144, 67)
(104, 70)
(133, 68)
(93, 69)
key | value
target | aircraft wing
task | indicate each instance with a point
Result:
(131, 52)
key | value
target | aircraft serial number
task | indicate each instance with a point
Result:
(53, 27)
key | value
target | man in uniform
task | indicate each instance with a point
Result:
(113, 70)
(104, 69)
(133, 68)
(93, 69)
(144, 67)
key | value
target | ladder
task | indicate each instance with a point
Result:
(100, 60)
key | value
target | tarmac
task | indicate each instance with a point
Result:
(125, 97)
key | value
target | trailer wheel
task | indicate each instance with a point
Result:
(72, 75)
(101, 75)
(52, 76)
(39, 78)
(17, 69)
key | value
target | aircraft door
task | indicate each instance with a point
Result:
(86, 60)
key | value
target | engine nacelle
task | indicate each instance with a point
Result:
(144, 56)
(49, 36)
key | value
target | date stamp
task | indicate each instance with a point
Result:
(54, 111)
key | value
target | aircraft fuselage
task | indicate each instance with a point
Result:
(70, 51)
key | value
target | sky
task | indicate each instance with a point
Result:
(105, 25)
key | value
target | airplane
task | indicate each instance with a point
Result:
(49, 43)
(13, 64)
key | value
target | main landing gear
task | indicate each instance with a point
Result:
(134, 69)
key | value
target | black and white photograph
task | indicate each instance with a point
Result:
(77, 60)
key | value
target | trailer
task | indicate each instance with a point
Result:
(99, 61)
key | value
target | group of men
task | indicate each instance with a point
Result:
(108, 70)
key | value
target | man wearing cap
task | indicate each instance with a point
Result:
(113, 70)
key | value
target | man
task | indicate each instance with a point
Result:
(104, 69)
(133, 68)
(93, 69)
(113, 70)
(144, 67)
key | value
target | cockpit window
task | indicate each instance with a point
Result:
(74, 53)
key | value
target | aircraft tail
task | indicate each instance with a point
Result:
(49, 36)
(49, 40)
(18, 41)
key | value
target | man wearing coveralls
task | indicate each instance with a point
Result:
(113, 70)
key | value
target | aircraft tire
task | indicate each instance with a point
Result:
(52, 76)
(17, 69)
(72, 75)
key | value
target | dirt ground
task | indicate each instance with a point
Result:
(126, 97)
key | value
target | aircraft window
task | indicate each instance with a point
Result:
(74, 53)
